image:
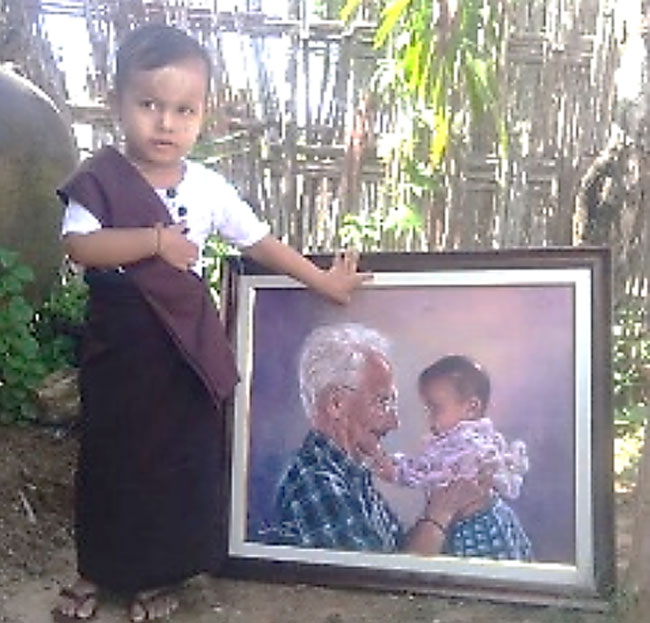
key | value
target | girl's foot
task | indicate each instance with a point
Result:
(153, 605)
(77, 602)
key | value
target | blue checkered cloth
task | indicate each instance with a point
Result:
(326, 500)
(492, 533)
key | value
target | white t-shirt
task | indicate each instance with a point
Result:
(204, 199)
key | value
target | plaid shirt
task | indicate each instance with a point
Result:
(493, 533)
(325, 500)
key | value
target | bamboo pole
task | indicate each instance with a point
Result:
(638, 576)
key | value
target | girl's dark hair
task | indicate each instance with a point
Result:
(153, 46)
(467, 376)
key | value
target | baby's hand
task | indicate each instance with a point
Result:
(384, 467)
(376, 458)
(175, 248)
(342, 278)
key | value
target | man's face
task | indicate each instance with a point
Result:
(371, 408)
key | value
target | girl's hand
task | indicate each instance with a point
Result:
(336, 284)
(343, 278)
(175, 248)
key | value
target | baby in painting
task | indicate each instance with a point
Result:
(463, 443)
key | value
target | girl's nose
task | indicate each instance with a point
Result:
(165, 121)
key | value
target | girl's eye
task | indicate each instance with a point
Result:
(148, 104)
(186, 111)
(433, 409)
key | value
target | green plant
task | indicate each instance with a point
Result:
(438, 82)
(360, 231)
(365, 232)
(441, 62)
(328, 9)
(58, 323)
(21, 366)
(631, 367)
(216, 249)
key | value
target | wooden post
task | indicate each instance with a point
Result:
(638, 575)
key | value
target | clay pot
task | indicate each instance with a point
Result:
(37, 152)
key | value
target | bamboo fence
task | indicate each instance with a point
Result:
(296, 129)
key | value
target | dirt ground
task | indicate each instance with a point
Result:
(37, 557)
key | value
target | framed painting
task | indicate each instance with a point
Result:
(327, 490)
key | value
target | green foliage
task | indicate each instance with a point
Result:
(441, 62)
(360, 231)
(21, 367)
(215, 252)
(631, 368)
(33, 342)
(437, 79)
(365, 232)
(349, 9)
(328, 9)
(216, 249)
(58, 323)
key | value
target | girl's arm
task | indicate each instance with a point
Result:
(337, 283)
(110, 247)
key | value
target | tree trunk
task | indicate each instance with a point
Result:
(638, 577)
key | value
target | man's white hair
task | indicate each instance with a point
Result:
(334, 355)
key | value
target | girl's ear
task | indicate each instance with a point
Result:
(112, 100)
(474, 406)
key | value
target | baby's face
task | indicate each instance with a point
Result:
(445, 407)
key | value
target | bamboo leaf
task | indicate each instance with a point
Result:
(411, 65)
(403, 219)
(349, 9)
(422, 175)
(475, 91)
(470, 22)
(504, 139)
(389, 18)
(440, 139)
(427, 59)
(439, 92)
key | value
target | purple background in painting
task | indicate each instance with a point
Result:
(522, 335)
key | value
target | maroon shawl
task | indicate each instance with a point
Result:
(110, 187)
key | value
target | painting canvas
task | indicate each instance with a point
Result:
(535, 323)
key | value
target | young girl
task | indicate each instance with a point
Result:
(156, 364)
(463, 444)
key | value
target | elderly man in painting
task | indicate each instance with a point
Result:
(326, 498)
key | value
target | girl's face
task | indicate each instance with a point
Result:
(161, 111)
(445, 407)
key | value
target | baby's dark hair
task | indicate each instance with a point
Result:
(467, 376)
(153, 46)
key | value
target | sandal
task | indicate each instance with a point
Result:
(80, 600)
(153, 605)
